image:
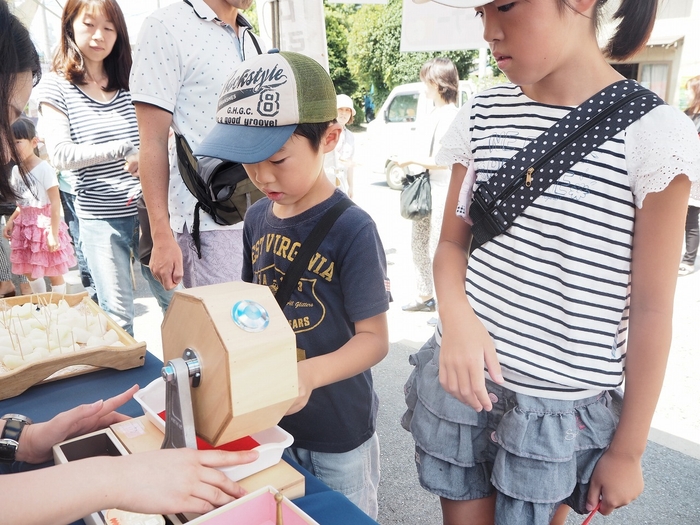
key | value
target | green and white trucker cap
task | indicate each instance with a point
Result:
(262, 103)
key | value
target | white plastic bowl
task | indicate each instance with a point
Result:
(272, 441)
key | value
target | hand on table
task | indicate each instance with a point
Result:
(37, 440)
(177, 480)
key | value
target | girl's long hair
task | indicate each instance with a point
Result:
(17, 55)
(69, 60)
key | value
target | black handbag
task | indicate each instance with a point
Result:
(416, 199)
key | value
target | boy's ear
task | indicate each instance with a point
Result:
(331, 137)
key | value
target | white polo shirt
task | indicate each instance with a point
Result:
(183, 56)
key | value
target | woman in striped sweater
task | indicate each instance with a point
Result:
(90, 131)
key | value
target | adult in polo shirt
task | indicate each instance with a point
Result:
(184, 53)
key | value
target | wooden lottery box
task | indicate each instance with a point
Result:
(248, 378)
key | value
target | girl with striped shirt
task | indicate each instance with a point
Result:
(514, 404)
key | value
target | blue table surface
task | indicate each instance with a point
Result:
(42, 402)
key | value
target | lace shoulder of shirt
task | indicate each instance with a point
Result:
(660, 146)
(455, 145)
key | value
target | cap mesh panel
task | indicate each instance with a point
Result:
(315, 90)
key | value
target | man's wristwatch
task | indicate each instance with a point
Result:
(9, 439)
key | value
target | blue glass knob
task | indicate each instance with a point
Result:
(250, 316)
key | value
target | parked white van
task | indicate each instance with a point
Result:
(392, 132)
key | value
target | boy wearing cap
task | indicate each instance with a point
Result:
(277, 116)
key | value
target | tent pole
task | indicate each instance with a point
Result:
(275, 6)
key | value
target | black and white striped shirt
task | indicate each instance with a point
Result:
(104, 189)
(553, 291)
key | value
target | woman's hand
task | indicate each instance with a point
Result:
(132, 164)
(37, 440)
(465, 349)
(177, 480)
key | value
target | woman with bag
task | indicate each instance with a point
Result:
(441, 81)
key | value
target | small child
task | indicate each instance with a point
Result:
(40, 242)
(340, 163)
(277, 115)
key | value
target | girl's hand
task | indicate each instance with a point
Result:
(617, 480)
(7, 231)
(466, 347)
(51, 242)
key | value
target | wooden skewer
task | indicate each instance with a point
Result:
(278, 499)
(19, 343)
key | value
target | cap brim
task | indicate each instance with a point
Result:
(244, 144)
(456, 3)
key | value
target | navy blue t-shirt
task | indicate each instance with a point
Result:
(346, 283)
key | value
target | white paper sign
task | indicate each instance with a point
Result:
(436, 27)
(302, 27)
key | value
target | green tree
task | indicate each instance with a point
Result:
(338, 20)
(374, 56)
(251, 14)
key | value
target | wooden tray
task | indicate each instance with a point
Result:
(131, 355)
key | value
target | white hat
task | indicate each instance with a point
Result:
(345, 101)
(457, 3)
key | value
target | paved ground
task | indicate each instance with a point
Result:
(672, 460)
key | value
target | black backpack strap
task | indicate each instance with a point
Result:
(308, 249)
(255, 42)
(527, 175)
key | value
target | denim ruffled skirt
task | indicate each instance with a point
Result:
(535, 452)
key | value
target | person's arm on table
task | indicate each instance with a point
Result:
(166, 257)
(658, 232)
(365, 349)
(158, 482)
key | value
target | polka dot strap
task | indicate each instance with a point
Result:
(498, 202)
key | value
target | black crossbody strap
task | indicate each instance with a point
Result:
(308, 249)
(499, 201)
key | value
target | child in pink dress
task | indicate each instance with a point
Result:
(40, 243)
